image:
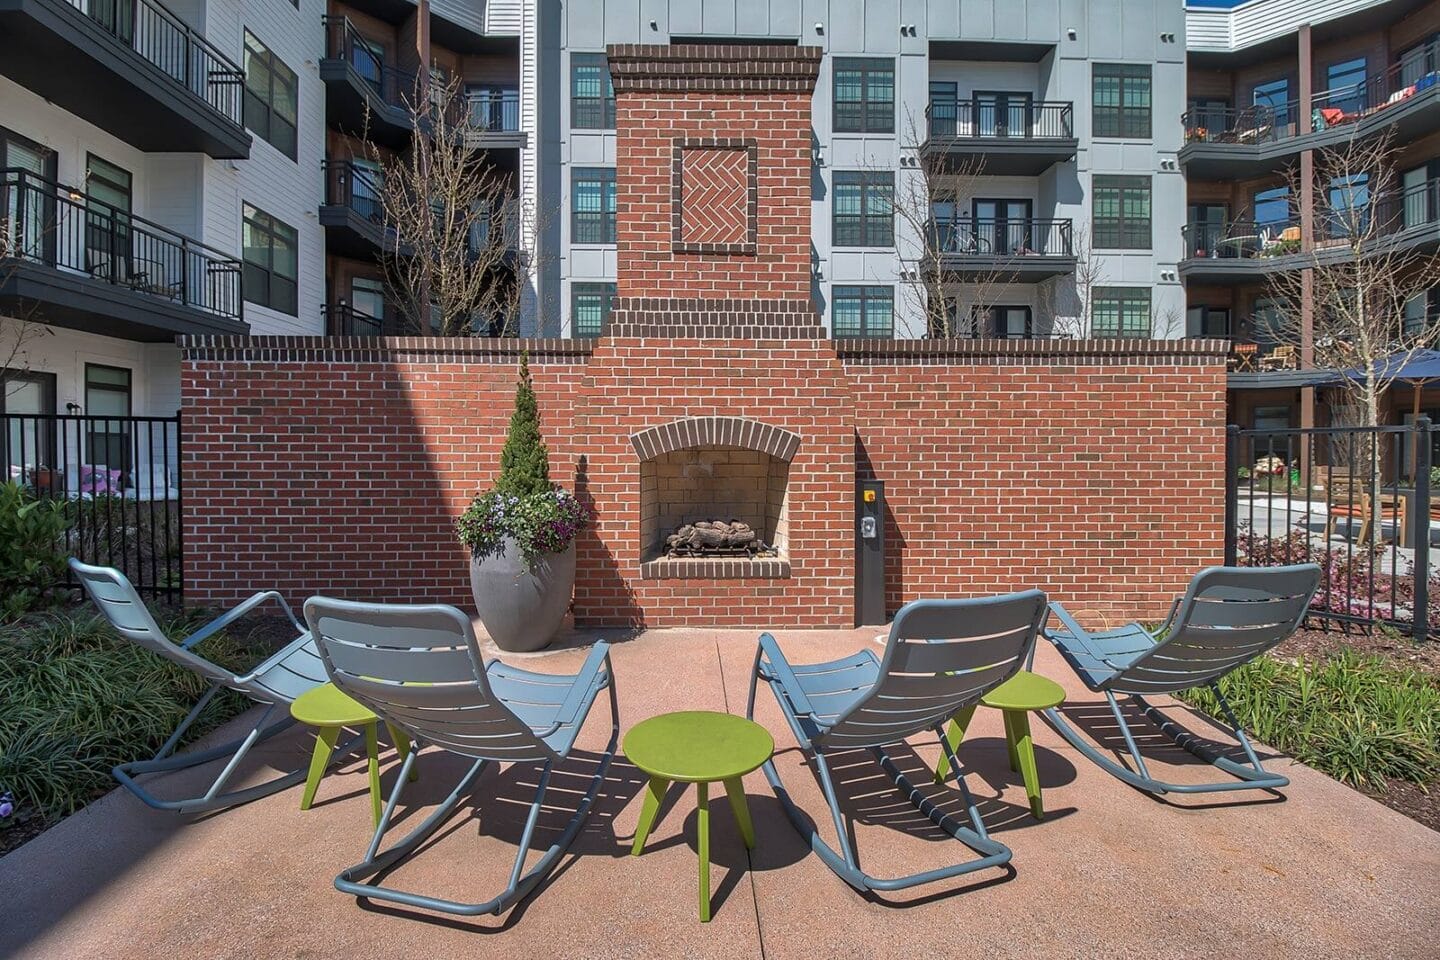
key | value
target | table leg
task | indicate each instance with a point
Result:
(1011, 736)
(1025, 748)
(702, 801)
(735, 790)
(372, 752)
(654, 793)
(402, 747)
(324, 745)
(954, 735)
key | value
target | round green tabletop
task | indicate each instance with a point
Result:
(326, 706)
(1025, 691)
(698, 746)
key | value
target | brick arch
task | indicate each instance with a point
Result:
(716, 431)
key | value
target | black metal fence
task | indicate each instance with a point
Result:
(989, 118)
(991, 237)
(1357, 501)
(119, 478)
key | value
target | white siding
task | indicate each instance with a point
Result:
(502, 17)
(1221, 31)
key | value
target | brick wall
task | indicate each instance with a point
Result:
(1087, 469)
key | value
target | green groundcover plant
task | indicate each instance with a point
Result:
(524, 506)
(75, 700)
(1358, 718)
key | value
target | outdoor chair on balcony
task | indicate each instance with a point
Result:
(1227, 617)
(419, 668)
(1280, 358)
(941, 657)
(276, 683)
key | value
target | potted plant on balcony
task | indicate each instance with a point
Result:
(521, 534)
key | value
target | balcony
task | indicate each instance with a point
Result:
(353, 213)
(134, 69)
(1239, 251)
(1000, 139)
(1020, 251)
(365, 96)
(70, 260)
(1263, 139)
(343, 320)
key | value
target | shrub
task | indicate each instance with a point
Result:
(1359, 719)
(523, 505)
(32, 556)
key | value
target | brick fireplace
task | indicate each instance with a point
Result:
(713, 392)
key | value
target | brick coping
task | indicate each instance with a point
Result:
(278, 349)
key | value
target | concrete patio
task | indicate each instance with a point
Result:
(1323, 872)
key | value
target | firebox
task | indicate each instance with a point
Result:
(714, 499)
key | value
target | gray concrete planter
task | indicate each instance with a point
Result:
(522, 609)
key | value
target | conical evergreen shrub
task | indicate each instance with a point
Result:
(524, 462)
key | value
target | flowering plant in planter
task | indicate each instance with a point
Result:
(540, 523)
(524, 505)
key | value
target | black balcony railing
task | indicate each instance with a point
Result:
(1399, 210)
(56, 226)
(347, 184)
(169, 43)
(396, 88)
(493, 111)
(1259, 123)
(343, 320)
(971, 237)
(1240, 239)
(988, 119)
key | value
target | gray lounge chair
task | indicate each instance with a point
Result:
(941, 656)
(420, 669)
(276, 683)
(1227, 617)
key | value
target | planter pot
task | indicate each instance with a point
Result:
(522, 609)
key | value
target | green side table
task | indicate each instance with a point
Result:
(699, 747)
(330, 711)
(1015, 697)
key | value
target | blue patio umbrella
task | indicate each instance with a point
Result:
(1415, 368)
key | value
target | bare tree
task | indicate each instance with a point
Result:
(458, 229)
(19, 330)
(1065, 302)
(932, 292)
(1359, 271)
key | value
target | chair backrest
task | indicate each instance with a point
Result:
(1352, 493)
(419, 667)
(118, 602)
(1228, 617)
(941, 655)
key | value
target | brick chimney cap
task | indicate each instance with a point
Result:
(720, 67)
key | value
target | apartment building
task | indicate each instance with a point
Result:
(1272, 85)
(209, 166)
(1046, 128)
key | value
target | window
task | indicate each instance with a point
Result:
(1345, 86)
(592, 97)
(1008, 323)
(1001, 227)
(1272, 207)
(28, 206)
(1004, 114)
(1274, 99)
(271, 97)
(1207, 322)
(27, 443)
(1417, 313)
(368, 59)
(272, 271)
(864, 95)
(1349, 199)
(1205, 226)
(863, 312)
(1267, 322)
(864, 214)
(1121, 99)
(1418, 196)
(108, 192)
(1210, 114)
(590, 308)
(367, 297)
(943, 108)
(1122, 213)
(107, 394)
(1121, 312)
(592, 202)
(1419, 60)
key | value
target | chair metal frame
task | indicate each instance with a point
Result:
(941, 656)
(1227, 617)
(452, 699)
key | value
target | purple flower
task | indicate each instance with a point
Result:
(7, 805)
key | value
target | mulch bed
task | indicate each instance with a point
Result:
(1400, 651)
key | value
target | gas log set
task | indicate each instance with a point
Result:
(716, 538)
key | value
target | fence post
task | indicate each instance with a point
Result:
(1420, 523)
(1232, 491)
